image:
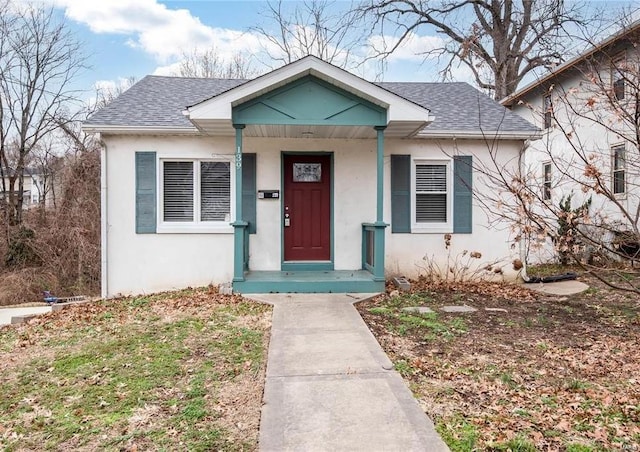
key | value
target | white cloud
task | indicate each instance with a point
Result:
(155, 29)
(413, 48)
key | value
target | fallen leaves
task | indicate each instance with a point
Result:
(548, 372)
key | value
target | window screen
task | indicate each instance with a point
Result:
(618, 170)
(431, 193)
(178, 191)
(215, 191)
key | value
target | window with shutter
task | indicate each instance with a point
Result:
(195, 194)
(432, 195)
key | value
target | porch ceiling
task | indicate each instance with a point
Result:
(395, 129)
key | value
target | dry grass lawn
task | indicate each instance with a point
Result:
(174, 371)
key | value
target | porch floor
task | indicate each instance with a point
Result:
(334, 281)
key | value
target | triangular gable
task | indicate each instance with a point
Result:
(217, 114)
(310, 100)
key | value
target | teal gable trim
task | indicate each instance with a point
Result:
(462, 194)
(146, 193)
(310, 101)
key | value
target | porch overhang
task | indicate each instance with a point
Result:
(353, 115)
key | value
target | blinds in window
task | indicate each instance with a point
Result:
(215, 191)
(431, 193)
(178, 191)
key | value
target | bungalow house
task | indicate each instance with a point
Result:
(588, 110)
(305, 179)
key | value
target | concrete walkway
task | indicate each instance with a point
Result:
(7, 315)
(331, 387)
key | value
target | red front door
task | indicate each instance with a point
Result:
(307, 208)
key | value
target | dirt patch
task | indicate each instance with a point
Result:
(548, 373)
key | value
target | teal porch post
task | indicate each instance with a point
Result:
(378, 251)
(239, 225)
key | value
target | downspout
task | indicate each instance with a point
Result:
(103, 220)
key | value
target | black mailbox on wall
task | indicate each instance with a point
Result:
(268, 194)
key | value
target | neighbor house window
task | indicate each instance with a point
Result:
(618, 169)
(618, 77)
(546, 183)
(196, 191)
(432, 196)
(547, 110)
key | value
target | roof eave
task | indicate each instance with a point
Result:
(142, 130)
(217, 107)
(482, 135)
(571, 63)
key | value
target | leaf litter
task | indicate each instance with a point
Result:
(550, 373)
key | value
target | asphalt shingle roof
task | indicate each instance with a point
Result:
(458, 106)
(157, 101)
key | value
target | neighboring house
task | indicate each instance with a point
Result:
(306, 179)
(588, 109)
(34, 191)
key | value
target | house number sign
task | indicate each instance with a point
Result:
(239, 157)
(307, 172)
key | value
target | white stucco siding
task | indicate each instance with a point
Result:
(138, 263)
(354, 195)
(584, 128)
(491, 237)
(144, 263)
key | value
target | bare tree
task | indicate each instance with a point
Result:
(576, 193)
(499, 41)
(209, 63)
(312, 27)
(40, 59)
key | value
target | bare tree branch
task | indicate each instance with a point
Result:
(39, 59)
(508, 38)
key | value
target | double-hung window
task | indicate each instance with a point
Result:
(195, 193)
(618, 169)
(618, 77)
(546, 181)
(432, 195)
(547, 110)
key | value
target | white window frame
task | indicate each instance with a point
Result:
(443, 227)
(619, 73)
(547, 112)
(196, 226)
(545, 181)
(623, 170)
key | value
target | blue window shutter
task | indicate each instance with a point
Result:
(249, 191)
(400, 193)
(462, 194)
(146, 215)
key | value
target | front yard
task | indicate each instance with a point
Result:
(185, 370)
(175, 371)
(531, 373)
